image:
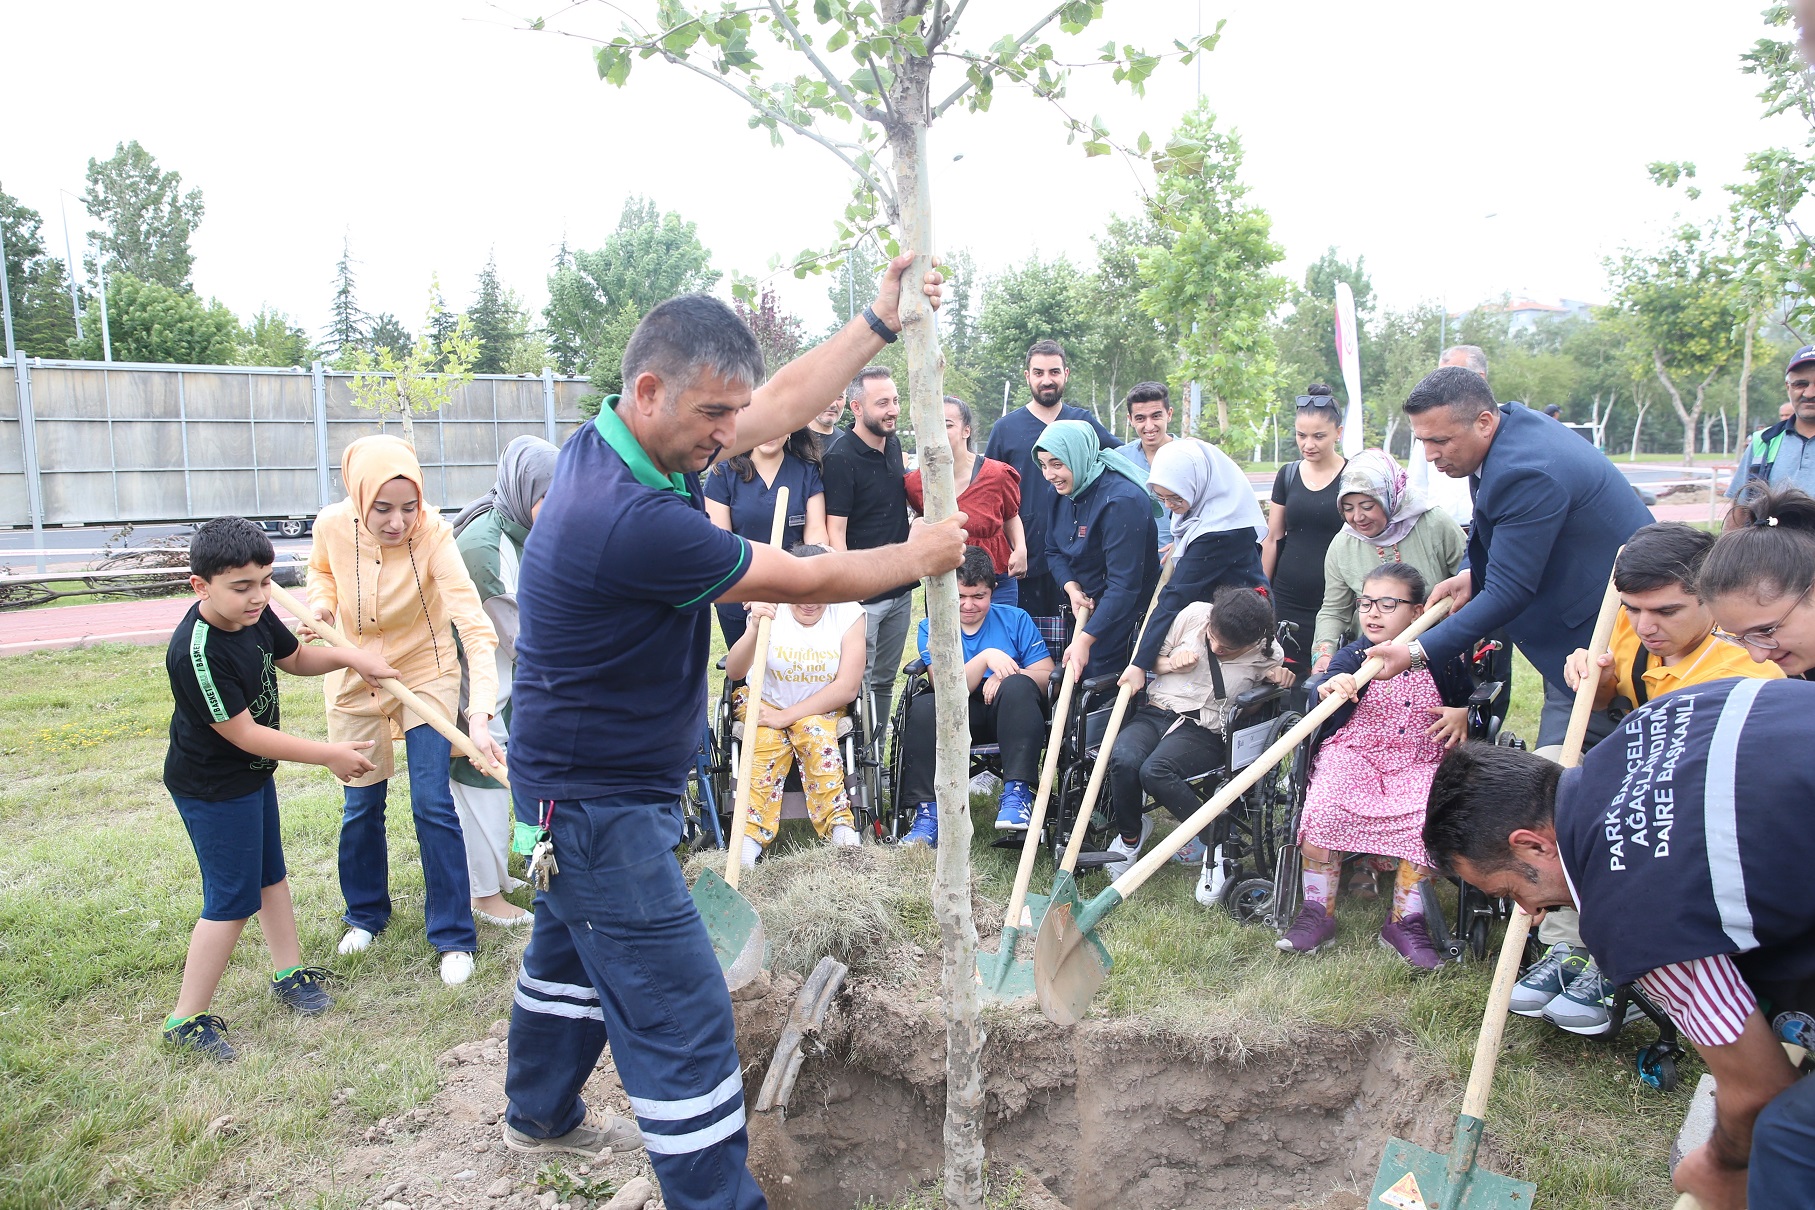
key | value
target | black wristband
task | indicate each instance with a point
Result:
(877, 326)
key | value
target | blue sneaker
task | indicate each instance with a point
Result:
(204, 1034)
(925, 829)
(1017, 807)
(301, 989)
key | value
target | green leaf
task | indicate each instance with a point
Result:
(1095, 148)
(1143, 144)
(839, 40)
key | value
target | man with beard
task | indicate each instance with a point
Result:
(825, 425)
(1012, 441)
(866, 507)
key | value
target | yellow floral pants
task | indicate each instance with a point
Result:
(814, 740)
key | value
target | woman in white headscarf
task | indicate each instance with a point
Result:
(1216, 531)
(1386, 520)
(490, 533)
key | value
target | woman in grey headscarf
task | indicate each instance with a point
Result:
(490, 533)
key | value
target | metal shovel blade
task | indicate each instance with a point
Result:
(1069, 966)
(1003, 976)
(733, 926)
(1412, 1178)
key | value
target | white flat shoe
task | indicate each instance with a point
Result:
(456, 968)
(509, 922)
(356, 941)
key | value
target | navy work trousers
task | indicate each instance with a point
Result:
(619, 952)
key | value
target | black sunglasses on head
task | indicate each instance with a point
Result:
(1314, 402)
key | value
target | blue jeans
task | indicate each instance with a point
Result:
(1008, 592)
(1783, 1150)
(618, 950)
(365, 863)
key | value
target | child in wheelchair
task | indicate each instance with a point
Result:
(814, 673)
(1213, 652)
(1372, 772)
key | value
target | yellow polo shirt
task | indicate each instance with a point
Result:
(1715, 659)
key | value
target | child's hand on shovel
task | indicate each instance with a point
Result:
(370, 667)
(1341, 683)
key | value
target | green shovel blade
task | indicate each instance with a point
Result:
(1412, 1178)
(733, 926)
(1003, 976)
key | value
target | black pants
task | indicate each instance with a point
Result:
(1211, 561)
(1149, 759)
(1016, 720)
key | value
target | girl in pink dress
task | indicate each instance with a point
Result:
(1372, 774)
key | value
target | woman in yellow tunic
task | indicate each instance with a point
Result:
(385, 569)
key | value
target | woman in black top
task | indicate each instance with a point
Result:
(1305, 517)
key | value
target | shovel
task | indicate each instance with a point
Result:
(462, 743)
(1005, 978)
(732, 924)
(1065, 882)
(1068, 973)
(1413, 1178)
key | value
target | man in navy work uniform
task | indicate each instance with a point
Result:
(609, 702)
(1685, 841)
(1550, 512)
(1785, 452)
(1011, 440)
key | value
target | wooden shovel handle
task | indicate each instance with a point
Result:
(1512, 948)
(429, 714)
(1075, 844)
(1049, 772)
(753, 704)
(1179, 837)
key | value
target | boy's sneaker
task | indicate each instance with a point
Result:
(1192, 853)
(301, 989)
(356, 941)
(1214, 878)
(1412, 941)
(1016, 810)
(592, 1137)
(1586, 1006)
(1311, 930)
(1125, 853)
(205, 1034)
(925, 828)
(1547, 979)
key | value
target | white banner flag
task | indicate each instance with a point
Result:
(1348, 354)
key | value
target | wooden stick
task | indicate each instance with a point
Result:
(753, 705)
(423, 710)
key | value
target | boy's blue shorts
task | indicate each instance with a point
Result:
(238, 846)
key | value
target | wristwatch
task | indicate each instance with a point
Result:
(1419, 660)
(881, 329)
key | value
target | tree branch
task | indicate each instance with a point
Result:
(838, 85)
(945, 23)
(1023, 40)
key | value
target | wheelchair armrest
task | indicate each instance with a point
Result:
(1247, 699)
(1095, 683)
(1484, 693)
(917, 668)
(721, 661)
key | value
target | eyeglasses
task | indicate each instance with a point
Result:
(1380, 604)
(1307, 403)
(1764, 638)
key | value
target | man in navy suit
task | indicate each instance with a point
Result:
(1550, 513)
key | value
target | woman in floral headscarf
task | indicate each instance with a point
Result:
(1385, 521)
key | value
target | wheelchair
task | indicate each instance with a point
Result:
(711, 783)
(1276, 901)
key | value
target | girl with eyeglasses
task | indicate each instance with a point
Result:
(1372, 773)
(1760, 577)
(1303, 520)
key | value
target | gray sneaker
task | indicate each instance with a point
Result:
(1586, 1006)
(590, 1138)
(1547, 979)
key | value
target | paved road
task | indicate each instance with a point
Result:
(80, 542)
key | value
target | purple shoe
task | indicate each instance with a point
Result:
(1311, 929)
(1413, 943)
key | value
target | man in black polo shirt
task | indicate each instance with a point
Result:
(608, 704)
(866, 507)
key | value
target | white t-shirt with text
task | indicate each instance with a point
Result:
(804, 659)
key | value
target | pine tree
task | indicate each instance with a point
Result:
(443, 324)
(43, 324)
(563, 342)
(388, 332)
(492, 317)
(347, 324)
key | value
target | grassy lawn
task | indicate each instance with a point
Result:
(98, 890)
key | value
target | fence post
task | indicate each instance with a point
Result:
(324, 481)
(28, 449)
(548, 403)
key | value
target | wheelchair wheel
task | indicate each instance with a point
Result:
(1657, 1065)
(1477, 938)
(1250, 901)
(1272, 804)
(1506, 739)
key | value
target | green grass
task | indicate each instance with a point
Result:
(98, 891)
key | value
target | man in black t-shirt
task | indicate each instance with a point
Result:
(224, 745)
(866, 507)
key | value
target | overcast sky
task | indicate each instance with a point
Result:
(434, 133)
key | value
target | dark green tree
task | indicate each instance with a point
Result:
(1035, 300)
(443, 326)
(494, 319)
(272, 340)
(149, 321)
(42, 323)
(347, 324)
(146, 217)
(388, 332)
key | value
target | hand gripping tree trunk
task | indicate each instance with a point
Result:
(952, 871)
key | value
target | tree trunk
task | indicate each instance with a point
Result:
(1708, 432)
(1745, 379)
(1684, 414)
(952, 872)
(1641, 404)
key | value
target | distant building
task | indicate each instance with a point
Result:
(1525, 314)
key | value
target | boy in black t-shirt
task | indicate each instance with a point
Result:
(224, 744)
